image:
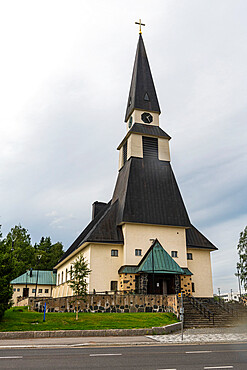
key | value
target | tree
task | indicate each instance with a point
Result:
(5, 277)
(42, 256)
(50, 253)
(242, 253)
(78, 283)
(20, 250)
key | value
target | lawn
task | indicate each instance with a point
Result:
(20, 319)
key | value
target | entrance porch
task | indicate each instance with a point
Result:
(158, 283)
(157, 273)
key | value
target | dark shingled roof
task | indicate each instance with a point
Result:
(148, 193)
(143, 129)
(103, 228)
(195, 239)
(142, 93)
(150, 130)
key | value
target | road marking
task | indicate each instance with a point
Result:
(218, 367)
(166, 369)
(199, 352)
(105, 354)
(9, 357)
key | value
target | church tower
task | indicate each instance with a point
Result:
(142, 240)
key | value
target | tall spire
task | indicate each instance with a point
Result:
(142, 93)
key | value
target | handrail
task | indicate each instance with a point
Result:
(202, 308)
(220, 302)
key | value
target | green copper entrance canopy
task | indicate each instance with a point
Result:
(156, 261)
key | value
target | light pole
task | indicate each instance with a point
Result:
(38, 257)
(152, 240)
(219, 292)
(239, 284)
(12, 252)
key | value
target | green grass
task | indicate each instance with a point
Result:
(20, 319)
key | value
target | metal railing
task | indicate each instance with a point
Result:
(224, 305)
(201, 308)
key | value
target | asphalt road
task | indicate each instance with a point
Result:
(189, 357)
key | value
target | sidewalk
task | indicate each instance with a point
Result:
(205, 335)
(76, 342)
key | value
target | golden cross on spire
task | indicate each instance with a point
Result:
(140, 24)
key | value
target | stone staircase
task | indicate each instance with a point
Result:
(206, 312)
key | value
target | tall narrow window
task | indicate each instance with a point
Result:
(114, 285)
(193, 287)
(150, 147)
(125, 152)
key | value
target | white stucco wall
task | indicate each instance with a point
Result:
(20, 287)
(137, 236)
(134, 146)
(104, 267)
(62, 288)
(164, 152)
(200, 266)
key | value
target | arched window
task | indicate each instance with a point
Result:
(71, 269)
(62, 278)
(58, 279)
(66, 275)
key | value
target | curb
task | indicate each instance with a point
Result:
(90, 333)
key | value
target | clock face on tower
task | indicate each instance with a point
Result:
(147, 117)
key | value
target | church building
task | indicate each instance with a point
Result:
(142, 240)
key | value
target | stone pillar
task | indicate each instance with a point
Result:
(177, 284)
(143, 283)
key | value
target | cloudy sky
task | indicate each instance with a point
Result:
(64, 80)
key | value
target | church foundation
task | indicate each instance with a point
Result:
(121, 303)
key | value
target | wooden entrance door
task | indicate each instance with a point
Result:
(25, 292)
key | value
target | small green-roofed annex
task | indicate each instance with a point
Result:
(157, 260)
(38, 277)
(187, 271)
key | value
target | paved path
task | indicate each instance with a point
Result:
(199, 338)
(205, 335)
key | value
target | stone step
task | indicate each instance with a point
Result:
(194, 318)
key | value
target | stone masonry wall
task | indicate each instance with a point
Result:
(127, 282)
(108, 303)
(186, 287)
